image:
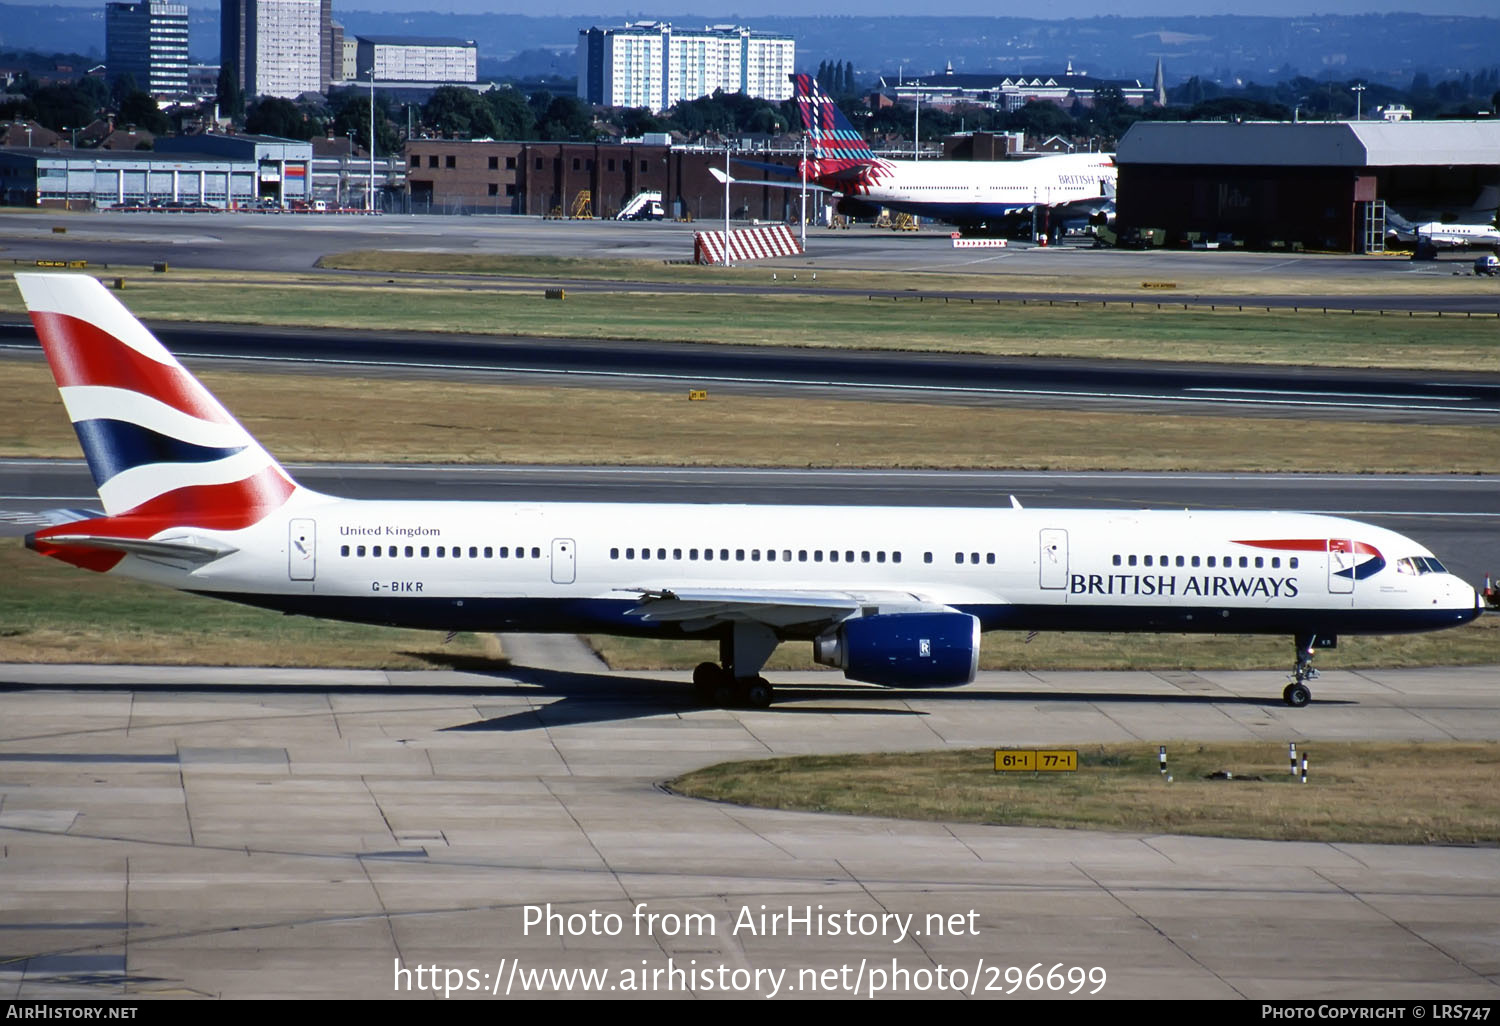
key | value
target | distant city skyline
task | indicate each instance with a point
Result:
(743, 12)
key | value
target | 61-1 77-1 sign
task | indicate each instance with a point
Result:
(1027, 760)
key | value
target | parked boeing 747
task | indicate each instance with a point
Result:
(892, 596)
(973, 194)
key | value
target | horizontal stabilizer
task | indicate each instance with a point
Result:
(768, 167)
(185, 548)
(722, 178)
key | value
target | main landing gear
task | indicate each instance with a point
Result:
(1297, 693)
(735, 680)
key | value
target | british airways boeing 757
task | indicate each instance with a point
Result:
(892, 596)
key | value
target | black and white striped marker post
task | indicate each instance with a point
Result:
(1304, 767)
(1292, 754)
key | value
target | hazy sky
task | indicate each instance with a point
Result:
(746, 10)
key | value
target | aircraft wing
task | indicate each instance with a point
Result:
(800, 611)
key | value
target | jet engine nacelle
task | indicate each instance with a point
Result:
(909, 650)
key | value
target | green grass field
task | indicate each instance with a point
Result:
(1001, 328)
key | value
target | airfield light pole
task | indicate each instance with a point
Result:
(1359, 96)
(370, 193)
(802, 220)
(916, 143)
(728, 260)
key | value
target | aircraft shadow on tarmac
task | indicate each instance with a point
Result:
(576, 698)
(601, 698)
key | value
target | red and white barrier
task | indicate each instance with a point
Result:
(745, 244)
(959, 242)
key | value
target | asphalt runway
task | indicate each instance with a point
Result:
(289, 242)
(1418, 396)
(295, 834)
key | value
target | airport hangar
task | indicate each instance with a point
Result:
(1313, 185)
(431, 176)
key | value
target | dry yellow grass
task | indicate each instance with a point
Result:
(829, 319)
(1050, 273)
(1363, 792)
(54, 613)
(302, 417)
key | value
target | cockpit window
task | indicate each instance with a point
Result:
(1417, 565)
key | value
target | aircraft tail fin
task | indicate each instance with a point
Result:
(836, 146)
(162, 450)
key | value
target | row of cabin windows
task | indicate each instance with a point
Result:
(756, 555)
(1259, 562)
(442, 551)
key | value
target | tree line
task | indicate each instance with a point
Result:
(510, 113)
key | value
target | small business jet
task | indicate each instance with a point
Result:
(892, 596)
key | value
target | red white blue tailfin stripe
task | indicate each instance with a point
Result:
(162, 450)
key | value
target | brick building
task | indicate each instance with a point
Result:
(538, 178)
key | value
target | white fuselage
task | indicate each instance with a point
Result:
(1456, 235)
(962, 190)
(558, 566)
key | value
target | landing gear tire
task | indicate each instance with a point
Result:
(758, 693)
(1296, 695)
(706, 678)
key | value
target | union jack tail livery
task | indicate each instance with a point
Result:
(894, 596)
(162, 450)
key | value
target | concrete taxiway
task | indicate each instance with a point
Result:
(294, 833)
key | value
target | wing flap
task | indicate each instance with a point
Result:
(700, 608)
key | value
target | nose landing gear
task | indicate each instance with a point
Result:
(1297, 694)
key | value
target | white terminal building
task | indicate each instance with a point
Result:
(653, 65)
(416, 59)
